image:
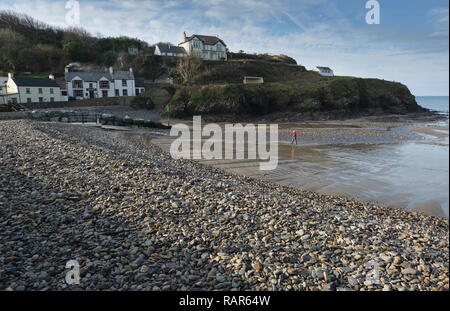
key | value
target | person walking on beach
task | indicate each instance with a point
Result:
(294, 138)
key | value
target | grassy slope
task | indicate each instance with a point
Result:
(218, 89)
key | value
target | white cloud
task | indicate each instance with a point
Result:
(315, 32)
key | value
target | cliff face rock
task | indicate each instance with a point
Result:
(335, 98)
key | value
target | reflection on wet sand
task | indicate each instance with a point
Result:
(394, 170)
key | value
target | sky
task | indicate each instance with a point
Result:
(409, 45)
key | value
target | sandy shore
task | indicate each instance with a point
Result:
(136, 219)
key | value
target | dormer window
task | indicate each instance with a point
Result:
(77, 84)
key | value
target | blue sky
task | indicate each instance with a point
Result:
(410, 45)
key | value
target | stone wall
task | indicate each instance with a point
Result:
(93, 117)
(110, 101)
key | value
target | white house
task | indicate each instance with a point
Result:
(167, 49)
(205, 47)
(24, 90)
(324, 71)
(85, 85)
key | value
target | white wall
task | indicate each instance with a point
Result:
(98, 92)
(207, 52)
(34, 94)
(324, 73)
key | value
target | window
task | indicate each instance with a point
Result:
(90, 85)
(63, 93)
(52, 99)
(78, 93)
(28, 90)
(117, 93)
(104, 84)
(137, 92)
(51, 91)
(125, 92)
(29, 100)
(77, 84)
(40, 90)
(124, 82)
(41, 99)
(104, 93)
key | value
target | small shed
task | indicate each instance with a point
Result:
(253, 80)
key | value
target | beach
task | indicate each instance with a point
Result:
(136, 219)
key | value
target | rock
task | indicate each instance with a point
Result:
(257, 266)
(410, 271)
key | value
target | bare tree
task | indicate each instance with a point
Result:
(188, 67)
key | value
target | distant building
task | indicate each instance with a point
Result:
(324, 71)
(205, 47)
(253, 80)
(25, 90)
(3, 81)
(114, 83)
(133, 50)
(140, 86)
(167, 49)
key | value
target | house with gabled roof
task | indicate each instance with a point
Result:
(114, 83)
(205, 47)
(25, 90)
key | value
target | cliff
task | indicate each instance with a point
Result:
(317, 98)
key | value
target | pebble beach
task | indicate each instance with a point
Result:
(136, 219)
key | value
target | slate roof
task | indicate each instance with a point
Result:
(139, 82)
(95, 76)
(42, 82)
(169, 48)
(207, 40)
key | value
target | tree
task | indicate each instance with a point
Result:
(109, 59)
(188, 67)
(11, 43)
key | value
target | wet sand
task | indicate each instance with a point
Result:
(371, 161)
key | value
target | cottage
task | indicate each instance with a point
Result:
(324, 71)
(167, 49)
(25, 90)
(205, 47)
(114, 83)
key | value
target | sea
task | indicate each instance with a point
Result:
(412, 175)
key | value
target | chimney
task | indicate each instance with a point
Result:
(184, 36)
(131, 70)
(111, 70)
(51, 77)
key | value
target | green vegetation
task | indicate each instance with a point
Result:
(27, 45)
(203, 87)
(344, 95)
